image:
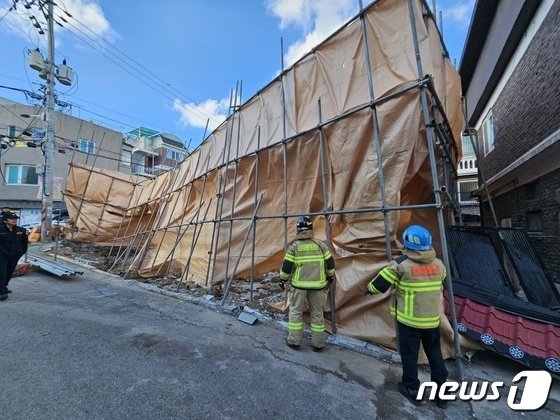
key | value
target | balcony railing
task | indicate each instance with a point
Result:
(143, 171)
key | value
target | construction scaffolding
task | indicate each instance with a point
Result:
(358, 135)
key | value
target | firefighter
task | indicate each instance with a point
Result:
(13, 244)
(309, 266)
(417, 277)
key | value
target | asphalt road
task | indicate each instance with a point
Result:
(98, 347)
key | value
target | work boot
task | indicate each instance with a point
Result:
(293, 345)
(410, 394)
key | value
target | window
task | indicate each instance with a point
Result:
(21, 175)
(466, 187)
(172, 154)
(488, 133)
(87, 146)
(126, 157)
(534, 221)
(467, 146)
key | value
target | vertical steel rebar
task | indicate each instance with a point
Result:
(125, 212)
(234, 183)
(219, 202)
(165, 198)
(437, 192)
(196, 235)
(257, 169)
(376, 138)
(177, 240)
(323, 159)
(155, 219)
(284, 146)
(226, 289)
(178, 191)
(233, 102)
(127, 250)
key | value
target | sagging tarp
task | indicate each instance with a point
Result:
(307, 143)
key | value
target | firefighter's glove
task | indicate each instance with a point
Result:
(282, 285)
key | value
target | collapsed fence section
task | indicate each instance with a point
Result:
(358, 134)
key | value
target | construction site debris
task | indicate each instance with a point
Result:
(50, 265)
(22, 269)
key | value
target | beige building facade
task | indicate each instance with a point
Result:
(22, 135)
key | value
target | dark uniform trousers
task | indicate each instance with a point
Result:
(7, 268)
(409, 346)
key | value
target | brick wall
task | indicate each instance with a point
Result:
(528, 109)
(541, 196)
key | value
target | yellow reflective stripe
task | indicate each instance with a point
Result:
(295, 278)
(327, 255)
(284, 276)
(295, 326)
(424, 322)
(309, 284)
(388, 275)
(409, 303)
(330, 273)
(372, 288)
(290, 257)
(408, 287)
(420, 284)
(309, 258)
(308, 247)
(318, 327)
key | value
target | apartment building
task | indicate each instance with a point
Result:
(153, 152)
(22, 135)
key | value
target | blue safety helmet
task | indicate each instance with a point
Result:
(417, 238)
(304, 223)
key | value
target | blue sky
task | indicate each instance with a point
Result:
(170, 65)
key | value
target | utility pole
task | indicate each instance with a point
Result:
(47, 202)
(50, 71)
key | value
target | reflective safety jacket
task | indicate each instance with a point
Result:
(308, 262)
(418, 277)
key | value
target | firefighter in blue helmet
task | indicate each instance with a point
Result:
(417, 277)
(309, 266)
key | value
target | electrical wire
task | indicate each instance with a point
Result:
(120, 123)
(152, 76)
(158, 88)
(163, 88)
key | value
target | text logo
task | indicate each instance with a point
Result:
(533, 396)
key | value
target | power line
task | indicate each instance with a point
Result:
(153, 82)
(160, 83)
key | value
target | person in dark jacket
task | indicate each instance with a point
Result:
(13, 244)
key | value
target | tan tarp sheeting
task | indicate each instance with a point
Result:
(278, 128)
